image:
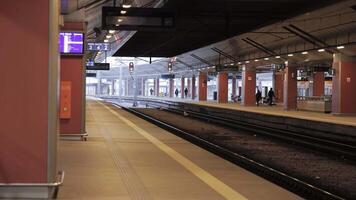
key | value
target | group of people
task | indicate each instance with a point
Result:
(176, 92)
(270, 97)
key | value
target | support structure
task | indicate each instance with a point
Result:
(223, 87)
(278, 86)
(182, 87)
(343, 90)
(234, 84)
(157, 87)
(318, 84)
(203, 87)
(194, 91)
(248, 86)
(171, 87)
(290, 86)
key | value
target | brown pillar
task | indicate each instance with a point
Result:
(249, 86)
(194, 91)
(203, 89)
(182, 87)
(29, 108)
(157, 87)
(343, 89)
(278, 90)
(290, 86)
(318, 84)
(234, 82)
(189, 87)
(223, 87)
(171, 87)
(143, 80)
(126, 87)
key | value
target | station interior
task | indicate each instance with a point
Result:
(175, 100)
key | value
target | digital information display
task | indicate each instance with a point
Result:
(71, 42)
(98, 46)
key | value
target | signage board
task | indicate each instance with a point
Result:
(94, 46)
(71, 42)
(90, 75)
(98, 66)
(167, 76)
(228, 68)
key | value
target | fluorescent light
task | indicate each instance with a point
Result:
(266, 58)
(247, 62)
(232, 64)
(119, 20)
(278, 56)
(304, 52)
(256, 60)
(239, 63)
(126, 6)
(123, 12)
(106, 40)
(290, 55)
(340, 47)
(108, 36)
(321, 50)
(111, 31)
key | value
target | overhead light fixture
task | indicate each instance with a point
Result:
(247, 61)
(321, 50)
(106, 40)
(123, 12)
(278, 57)
(304, 52)
(256, 60)
(239, 63)
(340, 47)
(290, 55)
(119, 20)
(126, 6)
(266, 58)
(232, 64)
(111, 31)
(108, 36)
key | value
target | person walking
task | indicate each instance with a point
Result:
(258, 97)
(270, 96)
(176, 92)
(186, 92)
(151, 91)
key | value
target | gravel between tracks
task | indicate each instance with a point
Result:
(330, 173)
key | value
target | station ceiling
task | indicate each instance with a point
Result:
(203, 22)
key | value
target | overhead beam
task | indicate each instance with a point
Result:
(219, 51)
(200, 59)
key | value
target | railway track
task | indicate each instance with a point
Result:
(291, 183)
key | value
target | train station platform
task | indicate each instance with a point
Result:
(126, 157)
(275, 110)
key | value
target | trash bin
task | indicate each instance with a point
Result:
(215, 95)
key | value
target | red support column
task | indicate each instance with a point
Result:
(29, 108)
(290, 87)
(157, 87)
(279, 88)
(189, 88)
(223, 87)
(234, 82)
(182, 87)
(343, 89)
(203, 89)
(171, 87)
(194, 92)
(249, 86)
(318, 84)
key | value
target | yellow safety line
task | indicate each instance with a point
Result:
(203, 175)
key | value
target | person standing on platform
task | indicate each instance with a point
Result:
(270, 96)
(176, 92)
(186, 92)
(151, 91)
(258, 97)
